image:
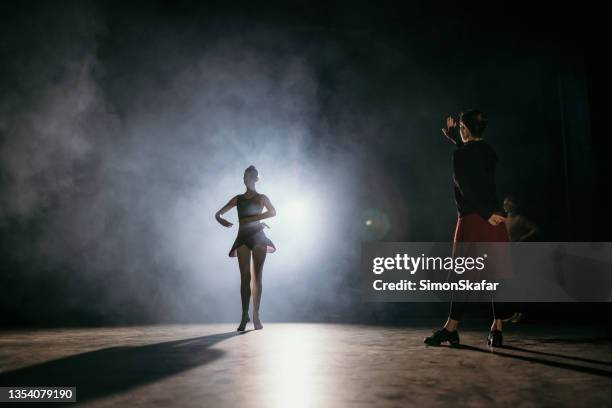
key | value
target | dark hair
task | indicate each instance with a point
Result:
(252, 169)
(475, 120)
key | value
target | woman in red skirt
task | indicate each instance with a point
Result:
(479, 218)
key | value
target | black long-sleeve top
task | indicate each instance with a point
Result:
(474, 177)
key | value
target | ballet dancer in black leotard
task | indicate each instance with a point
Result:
(250, 239)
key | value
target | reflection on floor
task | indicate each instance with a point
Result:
(309, 365)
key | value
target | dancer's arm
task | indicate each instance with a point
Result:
(528, 225)
(270, 211)
(452, 132)
(230, 204)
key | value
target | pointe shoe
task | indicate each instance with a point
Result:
(243, 323)
(257, 323)
(440, 336)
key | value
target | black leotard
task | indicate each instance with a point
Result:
(250, 234)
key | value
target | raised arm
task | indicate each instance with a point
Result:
(230, 204)
(451, 131)
(269, 213)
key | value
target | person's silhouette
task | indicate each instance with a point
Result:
(251, 239)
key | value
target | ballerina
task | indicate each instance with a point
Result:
(251, 240)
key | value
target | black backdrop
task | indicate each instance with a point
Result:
(538, 72)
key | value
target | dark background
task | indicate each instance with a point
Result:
(386, 75)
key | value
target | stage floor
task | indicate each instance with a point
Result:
(310, 365)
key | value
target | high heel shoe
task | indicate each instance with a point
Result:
(495, 338)
(441, 336)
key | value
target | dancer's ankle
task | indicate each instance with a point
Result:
(497, 325)
(451, 325)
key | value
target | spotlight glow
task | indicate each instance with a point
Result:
(293, 368)
(296, 212)
(298, 221)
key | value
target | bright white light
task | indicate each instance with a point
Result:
(296, 212)
(298, 224)
(293, 368)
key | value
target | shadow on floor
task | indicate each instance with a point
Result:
(117, 369)
(551, 363)
(546, 353)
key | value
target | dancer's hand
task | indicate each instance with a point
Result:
(450, 124)
(233, 202)
(246, 220)
(224, 222)
(496, 219)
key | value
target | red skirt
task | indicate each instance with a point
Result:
(472, 229)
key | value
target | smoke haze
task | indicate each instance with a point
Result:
(123, 132)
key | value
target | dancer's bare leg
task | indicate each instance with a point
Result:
(259, 257)
(244, 263)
